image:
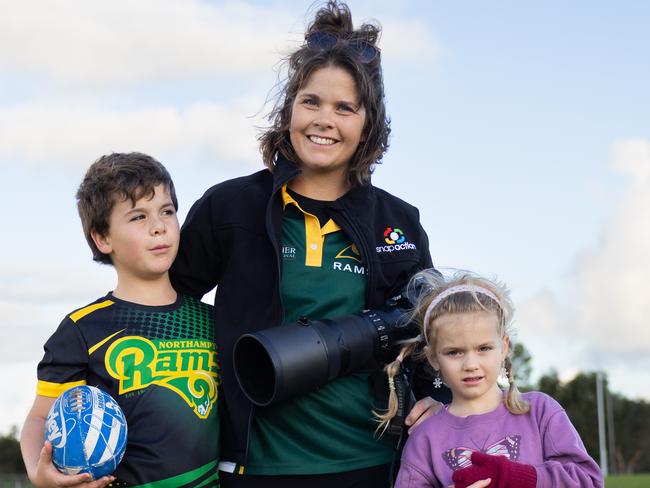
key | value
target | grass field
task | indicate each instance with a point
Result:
(623, 481)
(632, 481)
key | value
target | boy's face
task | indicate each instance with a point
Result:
(142, 239)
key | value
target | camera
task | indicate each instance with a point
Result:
(292, 359)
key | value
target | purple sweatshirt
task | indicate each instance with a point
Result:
(544, 438)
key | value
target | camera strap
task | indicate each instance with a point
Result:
(405, 401)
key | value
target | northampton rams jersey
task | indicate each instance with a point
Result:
(160, 364)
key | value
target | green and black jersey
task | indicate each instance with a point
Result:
(330, 430)
(160, 364)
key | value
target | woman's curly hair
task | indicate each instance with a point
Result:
(334, 18)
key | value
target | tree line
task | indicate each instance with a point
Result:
(627, 421)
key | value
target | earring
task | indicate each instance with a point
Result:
(504, 372)
(505, 375)
(437, 382)
(508, 369)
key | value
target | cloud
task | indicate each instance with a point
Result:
(409, 41)
(20, 384)
(101, 44)
(73, 132)
(96, 50)
(25, 330)
(35, 298)
(601, 321)
(612, 280)
(540, 309)
(40, 283)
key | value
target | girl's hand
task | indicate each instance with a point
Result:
(423, 409)
(503, 471)
(47, 476)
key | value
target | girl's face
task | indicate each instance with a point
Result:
(327, 123)
(469, 353)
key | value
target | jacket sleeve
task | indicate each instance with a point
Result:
(566, 462)
(425, 255)
(196, 269)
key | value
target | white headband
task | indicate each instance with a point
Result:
(452, 291)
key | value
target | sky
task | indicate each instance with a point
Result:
(519, 129)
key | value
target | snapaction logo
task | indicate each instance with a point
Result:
(395, 240)
(394, 236)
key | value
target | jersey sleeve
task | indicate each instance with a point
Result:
(65, 362)
(566, 462)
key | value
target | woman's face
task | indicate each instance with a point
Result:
(327, 123)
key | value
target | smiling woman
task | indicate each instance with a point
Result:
(326, 127)
(304, 238)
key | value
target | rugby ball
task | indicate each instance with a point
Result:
(87, 430)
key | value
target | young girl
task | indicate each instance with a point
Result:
(307, 236)
(485, 437)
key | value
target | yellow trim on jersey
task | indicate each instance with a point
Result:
(79, 314)
(353, 254)
(102, 342)
(314, 233)
(45, 388)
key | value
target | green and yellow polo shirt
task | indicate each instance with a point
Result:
(331, 429)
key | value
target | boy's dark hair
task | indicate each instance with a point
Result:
(116, 177)
(334, 18)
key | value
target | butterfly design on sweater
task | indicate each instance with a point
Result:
(460, 457)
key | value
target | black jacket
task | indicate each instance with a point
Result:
(231, 239)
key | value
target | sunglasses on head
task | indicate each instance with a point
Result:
(322, 41)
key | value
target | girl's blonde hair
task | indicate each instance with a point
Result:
(435, 298)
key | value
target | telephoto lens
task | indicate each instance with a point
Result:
(281, 362)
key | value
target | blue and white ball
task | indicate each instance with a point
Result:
(87, 430)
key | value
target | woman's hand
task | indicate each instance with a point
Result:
(422, 410)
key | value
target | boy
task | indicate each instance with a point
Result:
(147, 346)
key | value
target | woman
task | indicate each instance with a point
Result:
(308, 236)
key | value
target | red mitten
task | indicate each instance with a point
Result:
(503, 472)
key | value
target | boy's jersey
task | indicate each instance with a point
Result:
(160, 364)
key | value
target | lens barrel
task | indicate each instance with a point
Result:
(285, 361)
